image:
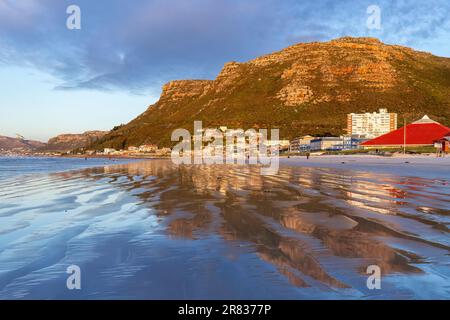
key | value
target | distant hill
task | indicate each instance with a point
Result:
(68, 142)
(19, 145)
(304, 89)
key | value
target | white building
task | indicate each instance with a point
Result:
(148, 148)
(109, 150)
(301, 144)
(280, 145)
(326, 143)
(371, 125)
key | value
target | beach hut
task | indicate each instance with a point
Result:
(424, 132)
(442, 145)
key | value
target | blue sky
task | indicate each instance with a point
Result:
(54, 80)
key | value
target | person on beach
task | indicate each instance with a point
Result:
(308, 155)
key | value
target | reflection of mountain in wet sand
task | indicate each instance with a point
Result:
(317, 227)
(240, 204)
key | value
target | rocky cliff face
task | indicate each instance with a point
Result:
(179, 90)
(304, 89)
(67, 142)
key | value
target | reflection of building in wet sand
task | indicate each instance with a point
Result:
(142, 168)
(380, 198)
(215, 178)
(202, 178)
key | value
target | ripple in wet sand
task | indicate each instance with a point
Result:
(155, 230)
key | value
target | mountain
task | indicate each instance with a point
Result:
(67, 142)
(307, 88)
(19, 144)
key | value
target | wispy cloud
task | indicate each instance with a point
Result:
(136, 46)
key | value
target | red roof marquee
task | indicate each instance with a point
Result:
(422, 132)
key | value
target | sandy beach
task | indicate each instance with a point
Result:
(151, 230)
(404, 165)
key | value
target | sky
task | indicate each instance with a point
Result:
(57, 80)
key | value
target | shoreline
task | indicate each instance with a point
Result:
(282, 156)
(109, 157)
(426, 166)
(144, 157)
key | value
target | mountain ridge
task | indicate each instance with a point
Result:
(61, 143)
(71, 141)
(19, 144)
(307, 88)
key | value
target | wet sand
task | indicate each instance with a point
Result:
(151, 230)
(425, 166)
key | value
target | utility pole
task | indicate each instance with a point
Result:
(404, 136)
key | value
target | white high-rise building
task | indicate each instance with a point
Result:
(371, 125)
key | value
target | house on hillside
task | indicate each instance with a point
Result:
(148, 148)
(109, 150)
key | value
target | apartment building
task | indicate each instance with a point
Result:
(371, 125)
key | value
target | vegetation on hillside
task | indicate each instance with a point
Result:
(303, 89)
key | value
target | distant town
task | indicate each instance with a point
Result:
(377, 131)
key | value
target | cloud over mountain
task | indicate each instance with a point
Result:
(137, 46)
